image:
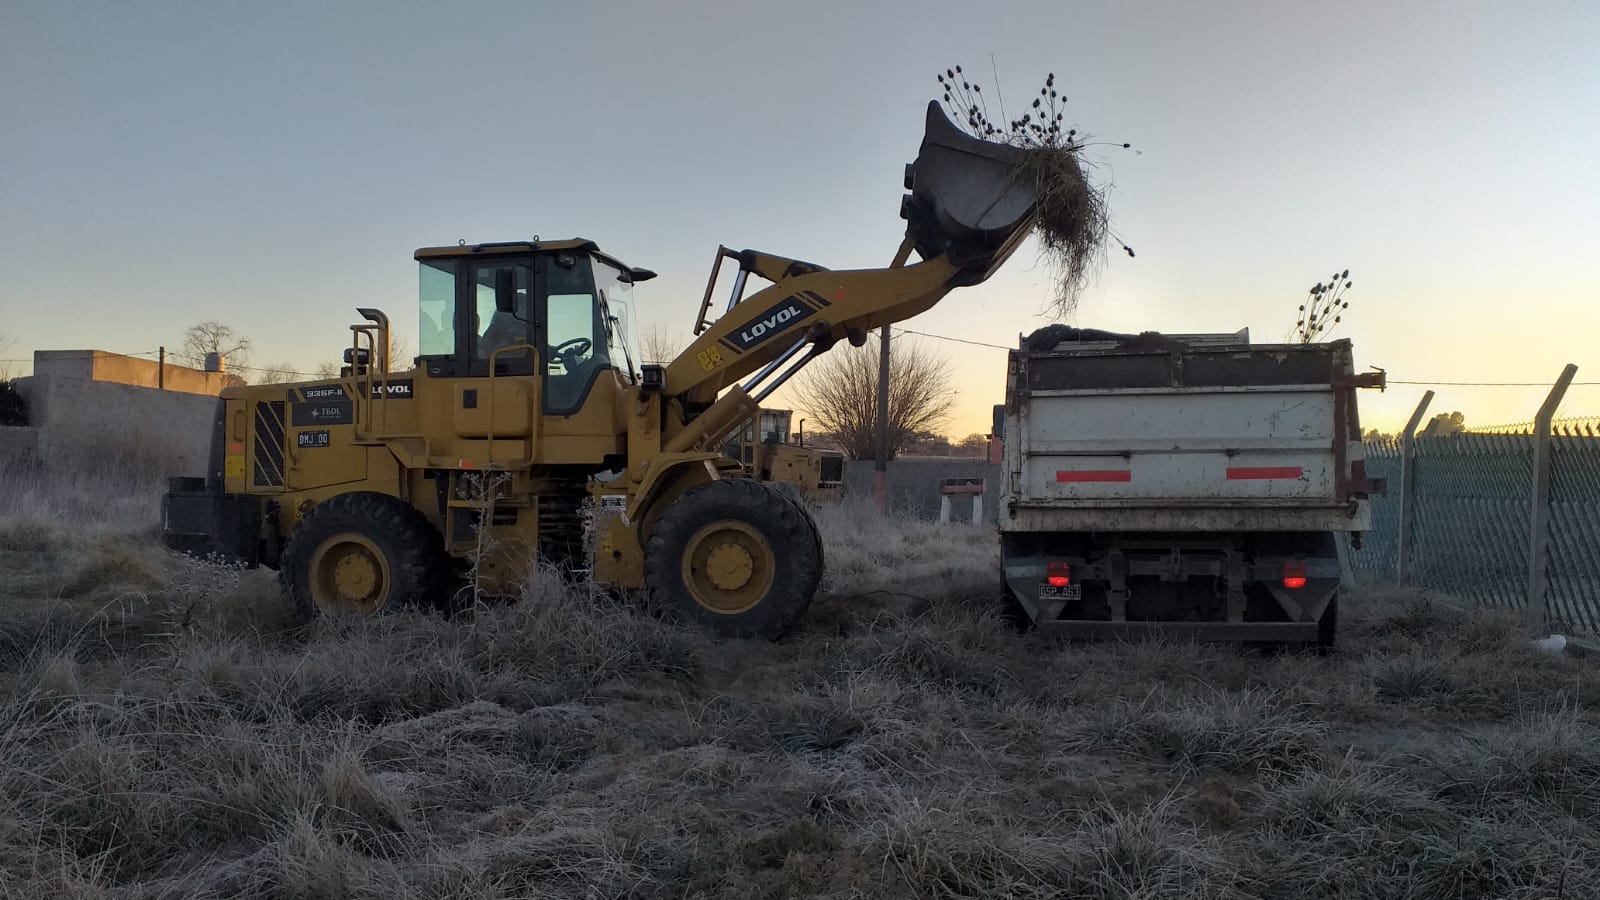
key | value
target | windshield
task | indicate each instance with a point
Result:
(774, 427)
(616, 306)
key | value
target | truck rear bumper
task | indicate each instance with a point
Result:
(1195, 593)
(1087, 630)
(196, 521)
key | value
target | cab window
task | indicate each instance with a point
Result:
(576, 339)
(496, 328)
(436, 306)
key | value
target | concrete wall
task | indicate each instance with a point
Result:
(88, 403)
(914, 484)
(98, 365)
(18, 445)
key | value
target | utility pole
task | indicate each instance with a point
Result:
(161, 371)
(880, 474)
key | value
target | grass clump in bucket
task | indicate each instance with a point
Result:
(1073, 220)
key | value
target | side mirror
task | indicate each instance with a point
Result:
(505, 290)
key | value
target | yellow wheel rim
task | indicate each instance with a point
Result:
(349, 572)
(728, 567)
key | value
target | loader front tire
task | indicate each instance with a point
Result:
(363, 553)
(734, 556)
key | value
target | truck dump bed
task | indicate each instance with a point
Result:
(1192, 434)
(1187, 484)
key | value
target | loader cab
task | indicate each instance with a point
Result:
(558, 311)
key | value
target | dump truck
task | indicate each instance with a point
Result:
(771, 452)
(1185, 485)
(388, 486)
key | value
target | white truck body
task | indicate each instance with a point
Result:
(1183, 458)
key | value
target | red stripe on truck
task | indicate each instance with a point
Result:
(1094, 475)
(1265, 473)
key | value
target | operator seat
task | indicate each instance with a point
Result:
(505, 330)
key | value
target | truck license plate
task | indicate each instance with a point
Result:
(1069, 592)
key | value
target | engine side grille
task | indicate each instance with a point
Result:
(269, 444)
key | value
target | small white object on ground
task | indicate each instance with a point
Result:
(1555, 643)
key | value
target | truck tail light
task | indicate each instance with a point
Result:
(1057, 573)
(1294, 574)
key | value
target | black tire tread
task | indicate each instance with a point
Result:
(792, 532)
(417, 561)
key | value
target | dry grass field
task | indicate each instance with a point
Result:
(167, 731)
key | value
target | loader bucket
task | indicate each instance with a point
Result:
(970, 198)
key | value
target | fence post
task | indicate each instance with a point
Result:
(1539, 519)
(1408, 488)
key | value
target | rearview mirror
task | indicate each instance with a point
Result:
(505, 290)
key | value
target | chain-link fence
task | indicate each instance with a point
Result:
(1470, 506)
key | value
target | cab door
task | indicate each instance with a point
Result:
(500, 395)
(479, 345)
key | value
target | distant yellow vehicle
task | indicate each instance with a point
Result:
(764, 447)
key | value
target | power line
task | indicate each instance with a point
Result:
(926, 334)
(943, 337)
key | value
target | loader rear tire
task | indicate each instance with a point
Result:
(734, 556)
(364, 553)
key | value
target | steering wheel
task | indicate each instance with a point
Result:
(571, 357)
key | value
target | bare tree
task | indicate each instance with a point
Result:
(400, 354)
(277, 373)
(839, 393)
(13, 408)
(214, 337)
(973, 445)
(328, 370)
(8, 369)
(658, 347)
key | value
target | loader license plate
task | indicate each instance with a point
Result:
(1070, 592)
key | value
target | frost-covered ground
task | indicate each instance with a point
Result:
(167, 731)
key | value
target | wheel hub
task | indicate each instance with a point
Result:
(349, 572)
(730, 566)
(355, 576)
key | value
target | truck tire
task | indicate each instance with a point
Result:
(736, 557)
(362, 552)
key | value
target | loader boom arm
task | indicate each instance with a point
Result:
(818, 308)
(971, 203)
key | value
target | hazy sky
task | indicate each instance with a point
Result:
(273, 165)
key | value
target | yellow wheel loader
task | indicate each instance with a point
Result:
(766, 448)
(383, 488)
